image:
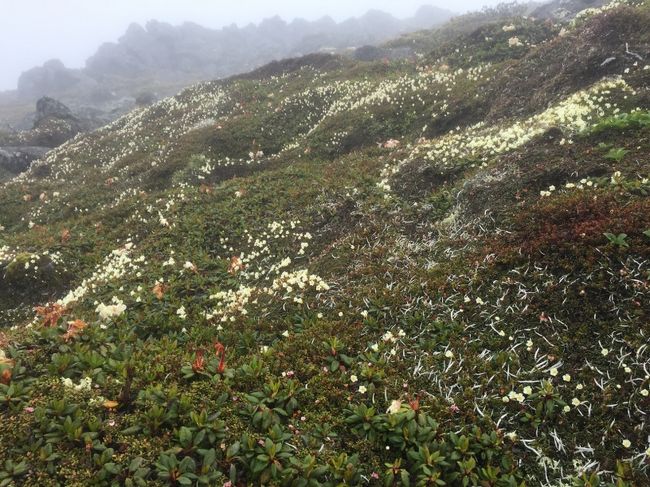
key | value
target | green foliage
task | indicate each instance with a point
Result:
(625, 121)
(12, 471)
(619, 240)
(281, 280)
(616, 154)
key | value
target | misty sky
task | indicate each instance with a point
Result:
(33, 31)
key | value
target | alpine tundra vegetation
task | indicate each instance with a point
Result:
(422, 271)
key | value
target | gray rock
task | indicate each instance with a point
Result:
(18, 159)
(52, 77)
(47, 107)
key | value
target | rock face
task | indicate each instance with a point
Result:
(191, 52)
(17, 159)
(52, 77)
(47, 107)
(162, 58)
(54, 123)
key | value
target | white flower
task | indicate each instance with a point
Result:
(554, 372)
(644, 392)
(627, 443)
(449, 354)
(395, 406)
(566, 409)
(575, 401)
(353, 378)
(112, 310)
(84, 384)
(514, 42)
(566, 378)
(528, 390)
(182, 314)
(604, 352)
(363, 390)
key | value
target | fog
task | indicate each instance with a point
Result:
(34, 31)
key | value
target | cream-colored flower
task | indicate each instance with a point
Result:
(395, 407)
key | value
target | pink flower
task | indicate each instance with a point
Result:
(228, 484)
(29, 409)
(374, 475)
(454, 409)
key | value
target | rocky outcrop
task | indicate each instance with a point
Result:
(162, 58)
(18, 159)
(191, 52)
(51, 78)
(54, 123)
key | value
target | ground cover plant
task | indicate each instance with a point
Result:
(331, 272)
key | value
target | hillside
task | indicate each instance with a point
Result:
(159, 59)
(334, 272)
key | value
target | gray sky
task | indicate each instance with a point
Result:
(33, 31)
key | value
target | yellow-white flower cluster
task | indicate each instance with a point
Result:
(108, 311)
(263, 273)
(575, 114)
(116, 265)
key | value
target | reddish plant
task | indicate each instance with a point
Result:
(199, 362)
(220, 352)
(5, 377)
(74, 329)
(51, 313)
(415, 404)
(235, 266)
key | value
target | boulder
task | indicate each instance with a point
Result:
(18, 159)
(49, 107)
(55, 123)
